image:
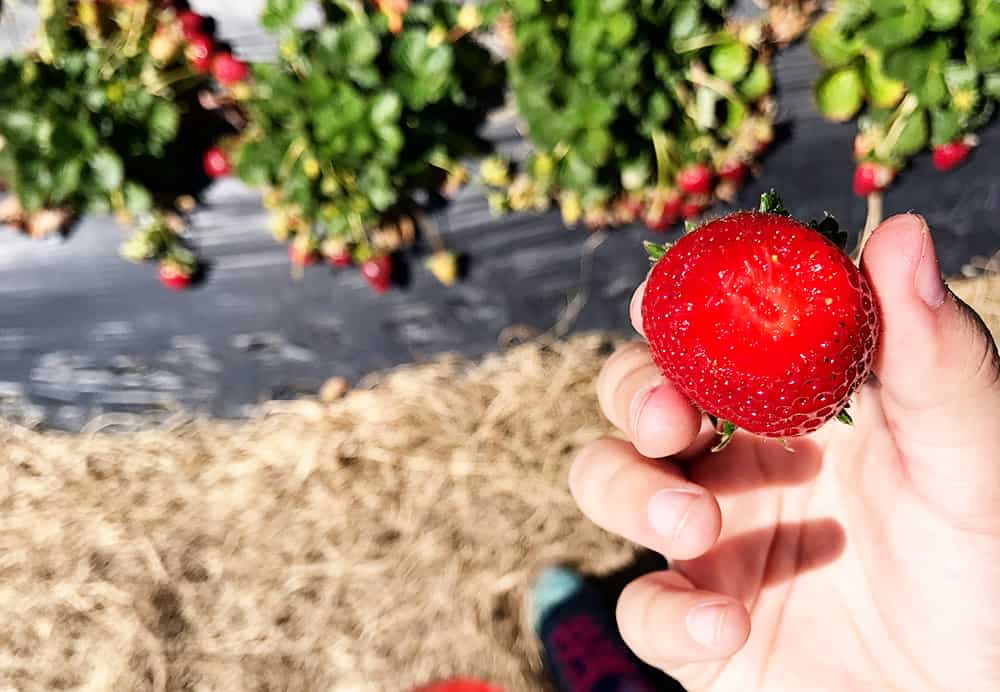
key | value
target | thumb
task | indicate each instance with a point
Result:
(938, 370)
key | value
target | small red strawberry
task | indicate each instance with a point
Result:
(692, 207)
(950, 155)
(628, 208)
(662, 214)
(378, 272)
(199, 53)
(761, 321)
(871, 177)
(191, 24)
(696, 179)
(216, 163)
(733, 171)
(228, 69)
(301, 255)
(174, 276)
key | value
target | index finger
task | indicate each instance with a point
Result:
(635, 309)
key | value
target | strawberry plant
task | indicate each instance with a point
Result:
(361, 119)
(763, 321)
(923, 73)
(104, 116)
(635, 110)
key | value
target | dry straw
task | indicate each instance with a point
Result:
(374, 543)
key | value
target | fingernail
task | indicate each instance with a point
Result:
(704, 622)
(927, 277)
(668, 510)
(638, 403)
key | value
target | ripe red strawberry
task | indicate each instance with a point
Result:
(950, 155)
(761, 321)
(216, 163)
(733, 171)
(199, 53)
(228, 69)
(378, 273)
(191, 24)
(661, 215)
(174, 276)
(871, 177)
(696, 179)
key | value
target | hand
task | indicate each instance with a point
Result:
(868, 559)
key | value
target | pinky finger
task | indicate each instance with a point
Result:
(669, 623)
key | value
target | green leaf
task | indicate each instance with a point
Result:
(991, 85)
(832, 47)
(66, 180)
(595, 146)
(840, 94)
(620, 28)
(946, 126)
(386, 108)
(658, 109)
(943, 14)
(914, 136)
(108, 170)
(280, 13)
(932, 91)
(575, 172)
(730, 61)
(904, 25)
(358, 45)
(960, 75)
(686, 20)
(251, 165)
(391, 137)
(137, 198)
(164, 119)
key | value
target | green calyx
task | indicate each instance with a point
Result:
(655, 250)
(726, 430)
(829, 228)
(844, 417)
(770, 203)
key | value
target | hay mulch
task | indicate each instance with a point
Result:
(374, 543)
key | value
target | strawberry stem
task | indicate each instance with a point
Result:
(726, 430)
(873, 219)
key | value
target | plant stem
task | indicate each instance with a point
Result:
(662, 161)
(699, 42)
(905, 110)
(873, 219)
(699, 76)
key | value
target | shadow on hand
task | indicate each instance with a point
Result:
(752, 463)
(743, 565)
